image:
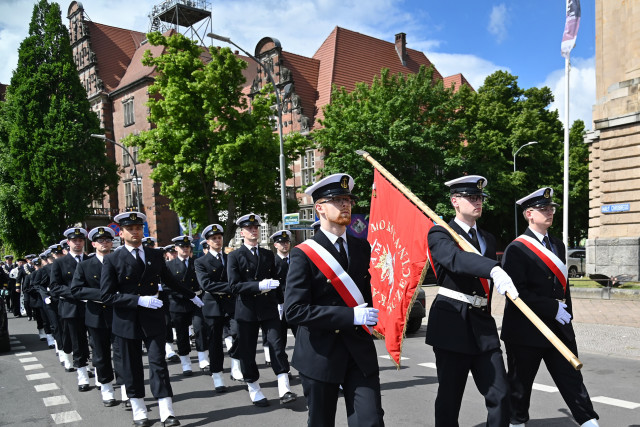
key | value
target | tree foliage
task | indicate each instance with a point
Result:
(54, 170)
(407, 122)
(214, 156)
(579, 185)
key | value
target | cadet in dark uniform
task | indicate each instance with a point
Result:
(15, 286)
(51, 304)
(546, 295)
(219, 302)
(282, 243)
(129, 282)
(98, 316)
(460, 328)
(251, 273)
(70, 310)
(37, 300)
(183, 312)
(332, 347)
(24, 279)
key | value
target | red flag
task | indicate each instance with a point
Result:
(398, 237)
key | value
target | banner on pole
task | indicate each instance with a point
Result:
(398, 237)
(571, 26)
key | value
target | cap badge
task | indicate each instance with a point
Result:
(252, 218)
(480, 183)
(284, 234)
(344, 182)
(76, 231)
(547, 193)
(133, 217)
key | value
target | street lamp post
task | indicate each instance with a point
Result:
(287, 88)
(133, 162)
(515, 206)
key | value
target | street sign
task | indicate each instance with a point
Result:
(292, 219)
(620, 207)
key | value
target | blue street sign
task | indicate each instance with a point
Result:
(620, 207)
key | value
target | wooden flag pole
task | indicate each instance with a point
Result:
(466, 246)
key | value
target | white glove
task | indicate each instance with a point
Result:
(503, 282)
(268, 284)
(149, 301)
(280, 311)
(363, 315)
(159, 287)
(563, 316)
(197, 301)
(199, 292)
(47, 300)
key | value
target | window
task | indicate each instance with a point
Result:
(128, 194)
(134, 152)
(264, 233)
(128, 112)
(307, 167)
(131, 191)
(126, 160)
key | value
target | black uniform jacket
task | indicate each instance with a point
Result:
(29, 289)
(41, 282)
(218, 297)
(245, 274)
(326, 334)
(86, 286)
(61, 274)
(455, 325)
(178, 302)
(282, 269)
(540, 290)
(121, 284)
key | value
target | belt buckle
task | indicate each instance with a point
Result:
(476, 301)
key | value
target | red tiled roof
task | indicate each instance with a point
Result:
(457, 80)
(347, 57)
(114, 48)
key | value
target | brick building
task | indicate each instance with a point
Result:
(613, 245)
(109, 66)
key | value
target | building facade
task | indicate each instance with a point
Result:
(613, 245)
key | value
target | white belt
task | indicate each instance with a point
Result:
(474, 300)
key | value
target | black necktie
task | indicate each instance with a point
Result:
(254, 251)
(139, 260)
(287, 258)
(344, 260)
(547, 243)
(474, 239)
(79, 258)
(219, 257)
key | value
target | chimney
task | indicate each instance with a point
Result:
(401, 47)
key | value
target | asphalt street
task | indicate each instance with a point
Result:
(36, 391)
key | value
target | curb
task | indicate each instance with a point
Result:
(606, 293)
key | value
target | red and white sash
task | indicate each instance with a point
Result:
(331, 268)
(555, 264)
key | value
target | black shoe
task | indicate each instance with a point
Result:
(29, 319)
(127, 405)
(70, 369)
(52, 345)
(288, 397)
(262, 402)
(110, 402)
(171, 421)
(206, 370)
(175, 358)
(240, 380)
(187, 373)
(145, 422)
(84, 387)
(221, 389)
(90, 373)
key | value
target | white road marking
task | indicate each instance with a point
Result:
(40, 376)
(32, 367)
(19, 347)
(28, 359)
(46, 387)
(66, 417)
(616, 402)
(24, 353)
(428, 365)
(386, 356)
(545, 388)
(55, 400)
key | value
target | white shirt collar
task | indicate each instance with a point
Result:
(538, 235)
(100, 257)
(250, 247)
(332, 237)
(466, 227)
(282, 256)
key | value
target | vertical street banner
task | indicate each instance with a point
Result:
(570, 27)
(398, 237)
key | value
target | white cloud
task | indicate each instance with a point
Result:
(582, 90)
(498, 22)
(474, 68)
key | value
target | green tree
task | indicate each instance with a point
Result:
(214, 156)
(56, 169)
(407, 122)
(579, 184)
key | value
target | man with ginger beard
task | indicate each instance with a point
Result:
(334, 343)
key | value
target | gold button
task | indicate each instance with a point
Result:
(328, 281)
(337, 331)
(126, 277)
(138, 284)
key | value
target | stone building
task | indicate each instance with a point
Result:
(613, 245)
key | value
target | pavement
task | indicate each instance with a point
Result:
(603, 326)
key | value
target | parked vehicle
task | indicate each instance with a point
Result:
(417, 313)
(576, 262)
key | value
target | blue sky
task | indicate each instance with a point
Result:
(475, 37)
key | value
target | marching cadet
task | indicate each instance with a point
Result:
(15, 286)
(37, 298)
(71, 311)
(129, 282)
(51, 305)
(334, 343)
(205, 248)
(170, 252)
(282, 243)
(11, 282)
(182, 312)
(24, 279)
(251, 272)
(31, 297)
(218, 301)
(528, 260)
(98, 316)
(460, 328)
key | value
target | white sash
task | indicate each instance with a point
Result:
(549, 254)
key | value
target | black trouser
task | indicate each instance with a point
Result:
(246, 348)
(181, 322)
(75, 336)
(36, 313)
(101, 360)
(200, 330)
(524, 361)
(51, 311)
(15, 303)
(214, 328)
(489, 375)
(133, 369)
(27, 306)
(361, 397)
